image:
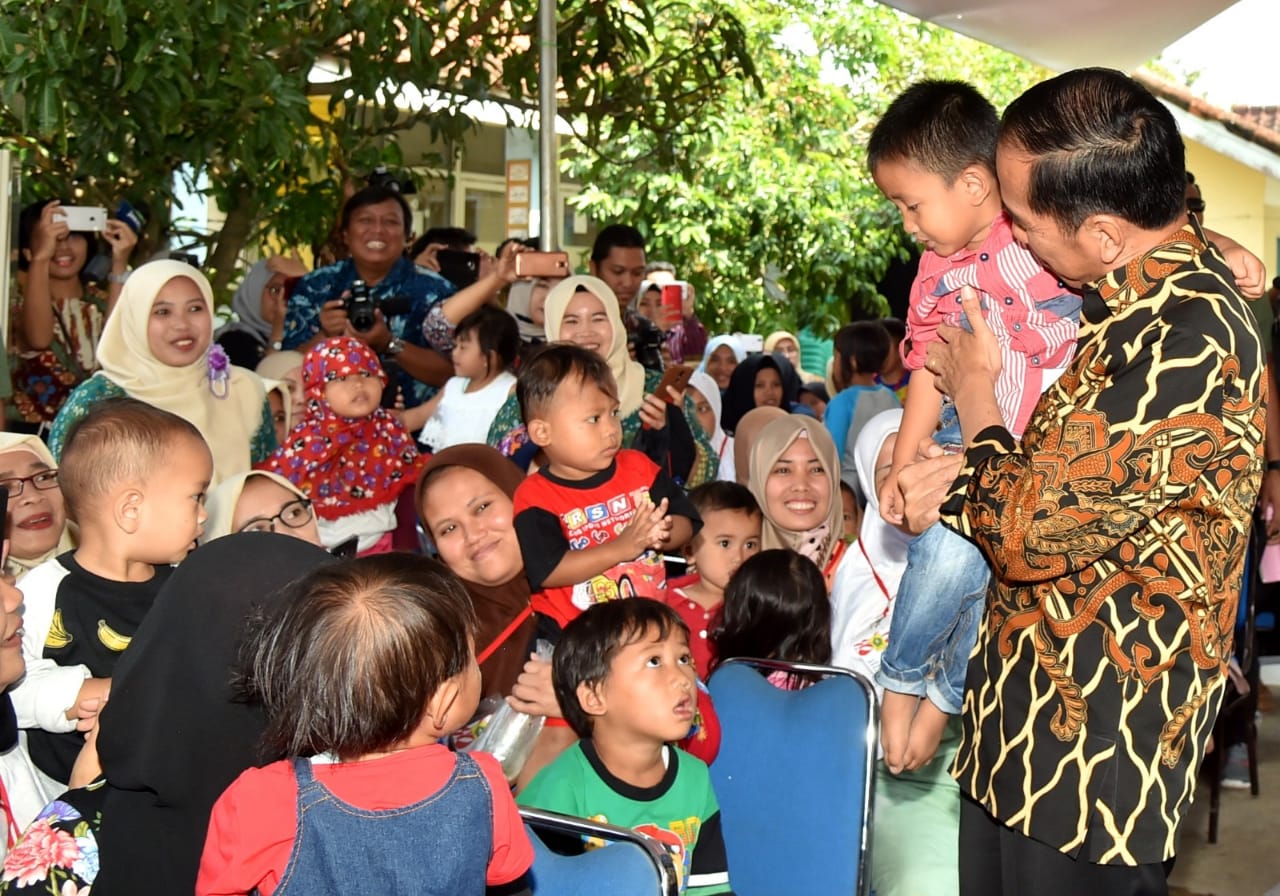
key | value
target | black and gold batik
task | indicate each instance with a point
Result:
(1117, 531)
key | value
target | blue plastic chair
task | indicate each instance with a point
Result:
(795, 778)
(633, 864)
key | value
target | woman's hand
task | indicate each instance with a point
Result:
(121, 238)
(533, 692)
(51, 227)
(653, 412)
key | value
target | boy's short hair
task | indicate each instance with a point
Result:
(495, 330)
(590, 642)
(544, 371)
(355, 651)
(119, 440)
(940, 126)
(862, 345)
(712, 496)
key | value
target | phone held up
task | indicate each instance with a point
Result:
(677, 377)
(673, 295)
(542, 264)
(458, 267)
(83, 218)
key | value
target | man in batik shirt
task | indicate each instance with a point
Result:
(1117, 528)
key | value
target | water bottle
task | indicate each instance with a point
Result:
(510, 734)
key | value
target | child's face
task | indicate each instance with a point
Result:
(935, 211)
(726, 540)
(354, 395)
(850, 514)
(703, 411)
(468, 360)
(586, 324)
(463, 707)
(37, 516)
(171, 512)
(768, 388)
(579, 429)
(813, 403)
(721, 364)
(650, 693)
(797, 490)
(179, 326)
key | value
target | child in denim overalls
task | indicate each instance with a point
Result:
(361, 671)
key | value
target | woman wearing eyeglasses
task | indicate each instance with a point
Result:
(37, 521)
(259, 501)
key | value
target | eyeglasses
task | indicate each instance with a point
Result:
(295, 515)
(44, 480)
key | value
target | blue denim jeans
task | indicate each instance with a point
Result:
(935, 618)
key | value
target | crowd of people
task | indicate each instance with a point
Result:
(290, 569)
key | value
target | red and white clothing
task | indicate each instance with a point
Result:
(701, 623)
(555, 516)
(1034, 316)
(256, 820)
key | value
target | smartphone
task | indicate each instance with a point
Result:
(84, 218)
(347, 549)
(542, 264)
(673, 300)
(751, 343)
(677, 377)
(458, 267)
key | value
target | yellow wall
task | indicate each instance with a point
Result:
(1243, 204)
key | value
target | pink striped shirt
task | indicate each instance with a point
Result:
(1034, 316)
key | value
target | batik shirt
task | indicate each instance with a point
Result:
(422, 288)
(1117, 533)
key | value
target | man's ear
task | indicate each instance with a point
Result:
(977, 183)
(539, 432)
(126, 509)
(1105, 235)
(590, 699)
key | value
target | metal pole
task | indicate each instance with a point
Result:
(548, 156)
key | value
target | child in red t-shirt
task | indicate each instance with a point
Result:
(361, 671)
(730, 534)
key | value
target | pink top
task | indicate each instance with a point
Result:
(1034, 316)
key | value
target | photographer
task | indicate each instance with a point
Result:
(59, 316)
(402, 299)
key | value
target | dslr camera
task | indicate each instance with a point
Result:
(362, 308)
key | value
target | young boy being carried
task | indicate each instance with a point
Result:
(134, 479)
(730, 534)
(625, 680)
(592, 521)
(933, 155)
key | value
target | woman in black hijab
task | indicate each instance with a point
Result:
(174, 733)
(759, 381)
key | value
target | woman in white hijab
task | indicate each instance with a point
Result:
(921, 806)
(156, 347)
(37, 520)
(706, 402)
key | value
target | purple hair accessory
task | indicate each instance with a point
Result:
(219, 372)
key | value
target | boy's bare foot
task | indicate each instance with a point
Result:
(896, 712)
(926, 733)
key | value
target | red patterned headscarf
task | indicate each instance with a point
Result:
(345, 465)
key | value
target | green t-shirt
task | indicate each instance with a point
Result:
(680, 811)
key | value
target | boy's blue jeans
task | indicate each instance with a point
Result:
(936, 611)
(935, 618)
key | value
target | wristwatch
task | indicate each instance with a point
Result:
(394, 347)
(277, 346)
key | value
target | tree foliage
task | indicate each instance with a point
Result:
(119, 97)
(769, 210)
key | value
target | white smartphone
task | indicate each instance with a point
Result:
(84, 217)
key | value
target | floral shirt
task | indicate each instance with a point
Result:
(58, 853)
(1117, 532)
(43, 379)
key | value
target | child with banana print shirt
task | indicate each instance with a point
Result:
(133, 477)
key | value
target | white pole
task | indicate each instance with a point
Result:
(548, 158)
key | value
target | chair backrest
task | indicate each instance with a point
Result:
(633, 864)
(795, 778)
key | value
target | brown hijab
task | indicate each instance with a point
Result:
(501, 631)
(744, 437)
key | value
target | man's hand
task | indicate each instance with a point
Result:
(377, 337)
(925, 485)
(959, 354)
(333, 317)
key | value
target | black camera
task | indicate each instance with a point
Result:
(362, 308)
(646, 340)
(381, 177)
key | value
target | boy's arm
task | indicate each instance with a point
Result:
(685, 521)
(1247, 268)
(648, 530)
(919, 419)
